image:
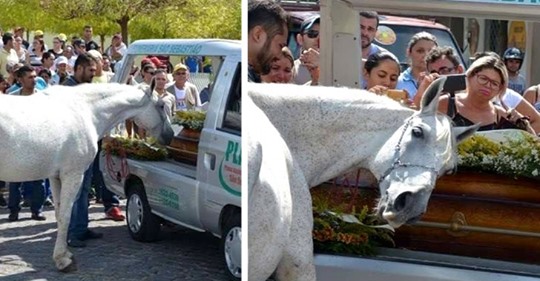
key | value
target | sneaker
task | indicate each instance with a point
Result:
(38, 216)
(48, 202)
(115, 214)
(25, 204)
(90, 234)
(13, 216)
(76, 243)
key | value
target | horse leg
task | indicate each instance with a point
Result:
(70, 187)
(297, 261)
(55, 189)
(269, 215)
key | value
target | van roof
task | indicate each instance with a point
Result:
(187, 47)
(383, 19)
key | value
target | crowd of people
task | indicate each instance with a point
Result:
(26, 69)
(495, 95)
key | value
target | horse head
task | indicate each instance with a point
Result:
(409, 163)
(154, 118)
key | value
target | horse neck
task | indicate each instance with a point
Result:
(111, 107)
(330, 134)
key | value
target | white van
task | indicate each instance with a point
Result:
(203, 194)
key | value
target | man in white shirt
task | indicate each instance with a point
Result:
(186, 93)
(7, 54)
(118, 49)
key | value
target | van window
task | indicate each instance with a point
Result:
(233, 115)
(404, 33)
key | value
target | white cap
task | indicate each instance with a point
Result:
(60, 59)
(95, 54)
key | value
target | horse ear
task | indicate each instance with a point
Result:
(462, 133)
(430, 100)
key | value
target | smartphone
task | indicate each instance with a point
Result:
(398, 95)
(454, 83)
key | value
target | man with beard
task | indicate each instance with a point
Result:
(267, 34)
(83, 72)
(306, 67)
(369, 22)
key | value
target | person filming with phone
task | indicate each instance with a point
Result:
(443, 61)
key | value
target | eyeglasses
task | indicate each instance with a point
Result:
(444, 70)
(484, 80)
(312, 33)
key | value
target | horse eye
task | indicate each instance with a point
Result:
(417, 132)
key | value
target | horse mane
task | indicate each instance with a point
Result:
(325, 103)
(93, 92)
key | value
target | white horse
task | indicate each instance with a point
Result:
(54, 135)
(327, 131)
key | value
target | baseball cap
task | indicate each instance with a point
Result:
(62, 37)
(78, 42)
(60, 60)
(38, 33)
(95, 54)
(309, 22)
(180, 66)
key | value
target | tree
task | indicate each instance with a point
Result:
(120, 12)
(195, 19)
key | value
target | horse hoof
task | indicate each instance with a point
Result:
(70, 267)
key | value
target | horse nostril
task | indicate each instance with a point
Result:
(402, 200)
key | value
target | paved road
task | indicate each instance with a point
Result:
(26, 248)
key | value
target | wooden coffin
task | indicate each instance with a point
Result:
(184, 146)
(476, 215)
(479, 215)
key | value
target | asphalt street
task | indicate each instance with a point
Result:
(26, 248)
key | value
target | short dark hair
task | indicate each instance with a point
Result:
(7, 37)
(370, 15)
(84, 60)
(46, 55)
(268, 14)
(438, 52)
(87, 26)
(45, 71)
(23, 70)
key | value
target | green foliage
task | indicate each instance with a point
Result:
(195, 19)
(147, 149)
(144, 18)
(514, 157)
(193, 119)
(338, 226)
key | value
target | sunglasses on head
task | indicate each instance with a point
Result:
(312, 33)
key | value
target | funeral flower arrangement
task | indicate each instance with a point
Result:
(343, 224)
(514, 157)
(192, 119)
(147, 149)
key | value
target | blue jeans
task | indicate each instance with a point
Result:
(37, 195)
(109, 199)
(79, 214)
(27, 191)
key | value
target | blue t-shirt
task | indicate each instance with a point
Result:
(40, 85)
(193, 63)
(406, 82)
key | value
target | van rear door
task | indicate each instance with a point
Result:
(219, 159)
